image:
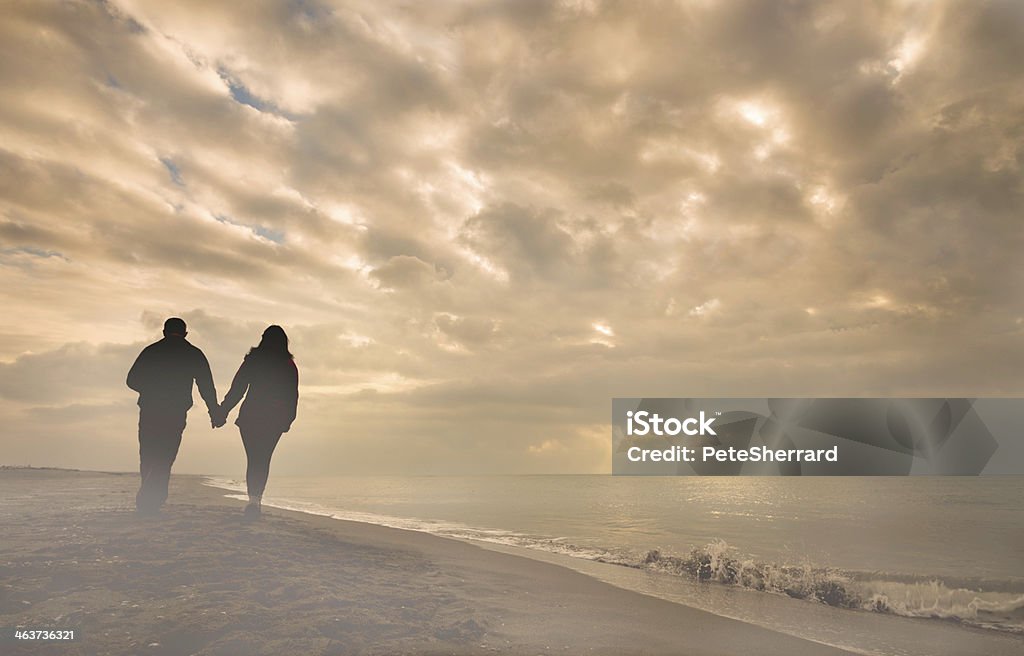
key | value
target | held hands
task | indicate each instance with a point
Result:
(218, 417)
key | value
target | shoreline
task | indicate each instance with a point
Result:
(859, 630)
(200, 581)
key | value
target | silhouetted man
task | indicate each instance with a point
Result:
(163, 375)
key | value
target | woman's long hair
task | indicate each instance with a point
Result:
(274, 342)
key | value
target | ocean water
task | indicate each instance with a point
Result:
(870, 564)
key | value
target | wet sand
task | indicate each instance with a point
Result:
(200, 580)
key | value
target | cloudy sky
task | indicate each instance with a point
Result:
(481, 221)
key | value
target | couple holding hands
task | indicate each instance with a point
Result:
(163, 375)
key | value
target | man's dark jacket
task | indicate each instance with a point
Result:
(163, 375)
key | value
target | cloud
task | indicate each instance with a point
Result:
(404, 271)
(525, 241)
(81, 371)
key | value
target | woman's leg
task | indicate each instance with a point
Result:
(251, 444)
(259, 447)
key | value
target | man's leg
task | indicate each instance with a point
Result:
(149, 440)
(145, 465)
(160, 432)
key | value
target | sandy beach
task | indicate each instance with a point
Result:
(199, 580)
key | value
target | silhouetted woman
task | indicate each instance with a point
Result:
(269, 381)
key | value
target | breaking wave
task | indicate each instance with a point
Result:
(1000, 606)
